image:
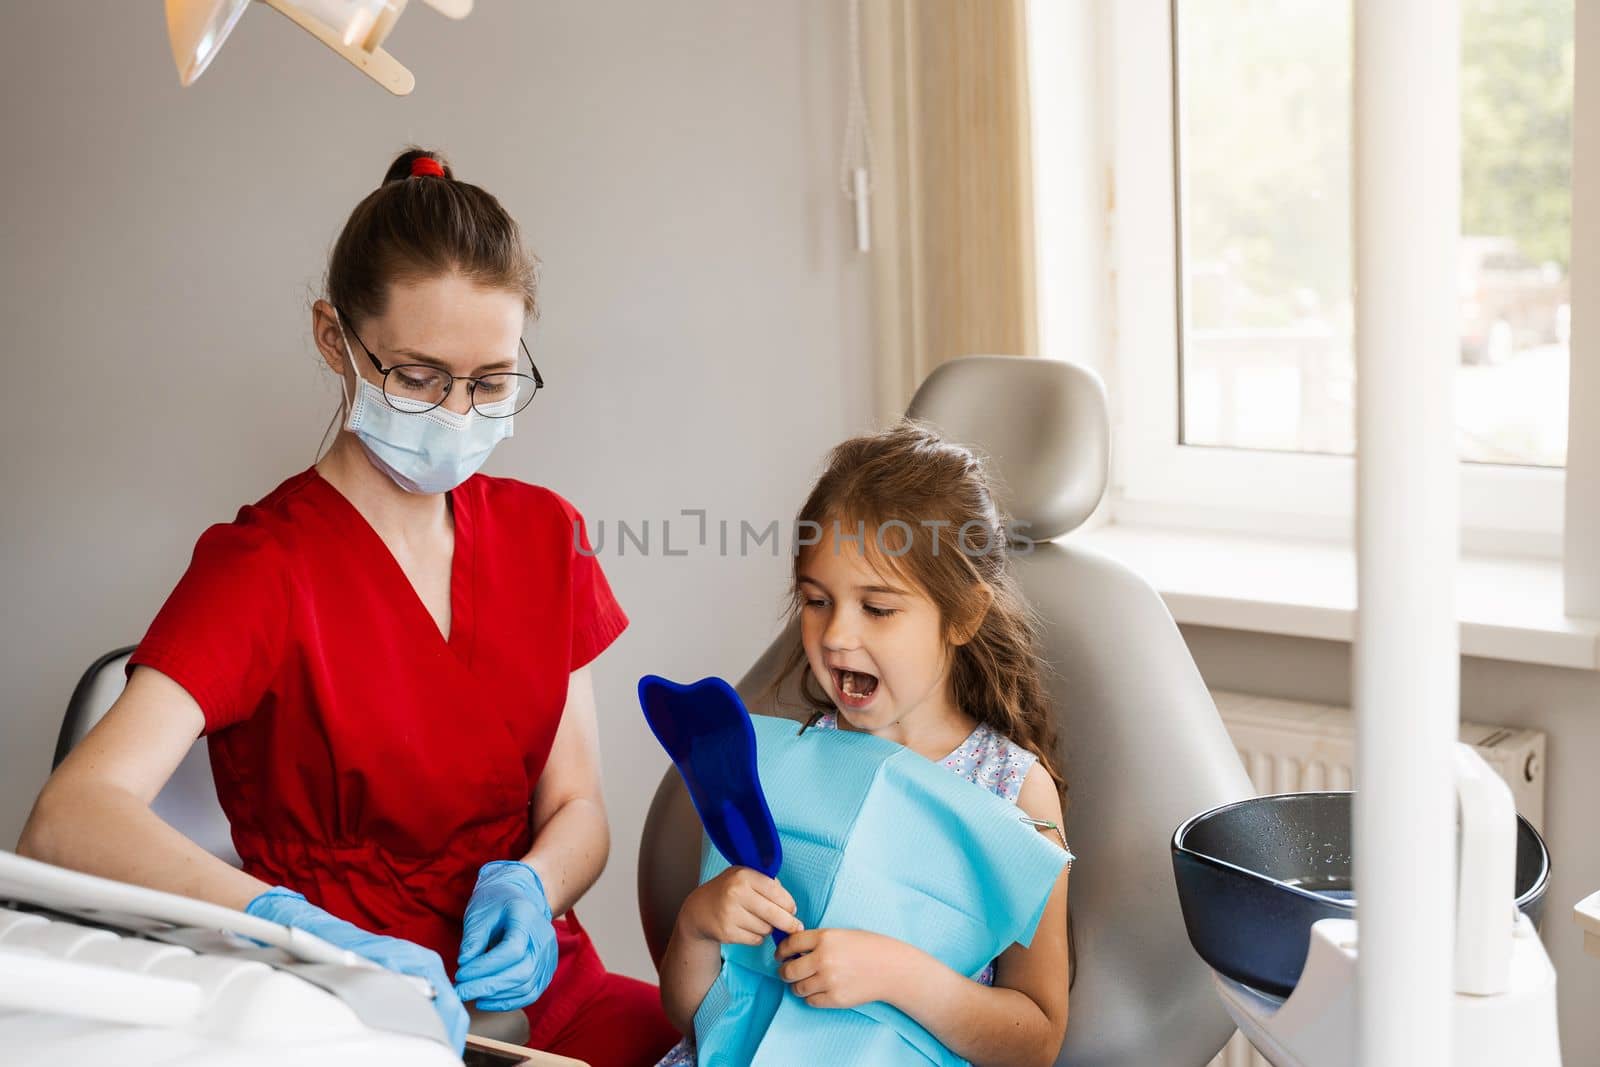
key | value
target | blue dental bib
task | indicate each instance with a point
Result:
(871, 836)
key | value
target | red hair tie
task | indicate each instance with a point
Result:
(426, 167)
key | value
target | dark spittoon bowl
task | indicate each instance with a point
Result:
(1253, 876)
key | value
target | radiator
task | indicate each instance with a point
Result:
(1289, 747)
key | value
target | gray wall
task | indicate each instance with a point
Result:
(705, 330)
(1564, 704)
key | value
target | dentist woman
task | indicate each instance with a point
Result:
(389, 654)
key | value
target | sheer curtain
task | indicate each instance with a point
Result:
(951, 186)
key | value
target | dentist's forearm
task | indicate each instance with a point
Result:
(986, 1025)
(569, 851)
(102, 829)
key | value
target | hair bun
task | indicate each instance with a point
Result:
(405, 165)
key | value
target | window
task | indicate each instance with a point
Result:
(1263, 157)
(1263, 162)
(1231, 139)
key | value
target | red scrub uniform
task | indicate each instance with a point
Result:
(368, 762)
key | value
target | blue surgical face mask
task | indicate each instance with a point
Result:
(423, 451)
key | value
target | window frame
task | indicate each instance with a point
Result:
(1505, 510)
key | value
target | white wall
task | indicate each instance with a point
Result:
(1563, 703)
(705, 329)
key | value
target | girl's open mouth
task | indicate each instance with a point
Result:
(855, 688)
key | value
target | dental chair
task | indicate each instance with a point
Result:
(1141, 742)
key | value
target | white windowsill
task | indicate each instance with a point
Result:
(1510, 608)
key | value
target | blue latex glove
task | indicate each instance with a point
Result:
(289, 908)
(508, 945)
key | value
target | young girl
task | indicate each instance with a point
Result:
(914, 631)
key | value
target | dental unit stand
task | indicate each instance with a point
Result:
(1406, 680)
(1504, 1007)
(1587, 915)
(1445, 973)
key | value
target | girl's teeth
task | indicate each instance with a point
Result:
(855, 684)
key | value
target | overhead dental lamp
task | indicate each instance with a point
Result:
(355, 29)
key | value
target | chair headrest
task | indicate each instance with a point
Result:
(1041, 426)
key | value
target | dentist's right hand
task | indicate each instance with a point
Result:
(285, 906)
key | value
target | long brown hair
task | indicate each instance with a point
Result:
(928, 514)
(424, 227)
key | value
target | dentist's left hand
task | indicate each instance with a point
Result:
(508, 943)
(283, 905)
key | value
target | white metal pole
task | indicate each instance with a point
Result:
(1406, 686)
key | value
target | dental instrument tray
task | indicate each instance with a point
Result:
(93, 970)
(1254, 875)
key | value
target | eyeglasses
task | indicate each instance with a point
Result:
(418, 387)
